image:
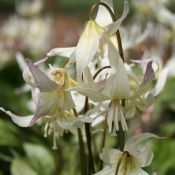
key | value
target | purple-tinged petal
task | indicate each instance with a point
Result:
(46, 104)
(43, 82)
(149, 74)
(20, 121)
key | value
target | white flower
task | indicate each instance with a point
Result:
(115, 88)
(135, 156)
(93, 38)
(54, 102)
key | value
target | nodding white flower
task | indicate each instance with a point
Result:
(142, 91)
(115, 88)
(54, 103)
(87, 46)
(136, 155)
(92, 39)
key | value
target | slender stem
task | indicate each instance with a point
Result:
(89, 143)
(120, 161)
(103, 142)
(100, 70)
(82, 149)
(120, 132)
(82, 153)
(91, 169)
(121, 137)
(106, 6)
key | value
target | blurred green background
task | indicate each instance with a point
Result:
(25, 151)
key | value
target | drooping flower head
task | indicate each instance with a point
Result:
(136, 155)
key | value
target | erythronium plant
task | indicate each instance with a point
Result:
(111, 89)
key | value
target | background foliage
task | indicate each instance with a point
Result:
(24, 151)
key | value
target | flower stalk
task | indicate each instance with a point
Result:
(120, 161)
(91, 168)
(81, 148)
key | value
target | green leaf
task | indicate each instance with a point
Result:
(8, 134)
(164, 158)
(168, 128)
(20, 167)
(40, 159)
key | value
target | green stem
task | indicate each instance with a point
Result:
(120, 161)
(82, 149)
(103, 142)
(91, 169)
(82, 153)
(121, 137)
(120, 47)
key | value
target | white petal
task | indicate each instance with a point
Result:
(87, 76)
(171, 66)
(27, 75)
(21, 61)
(28, 78)
(110, 118)
(110, 156)
(79, 122)
(117, 85)
(112, 28)
(92, 93)
(112, 54)
(87, 46)
(136, 146)
(140, 172)
(63, 52)
(20, 121)
(103, 17)
(107, 170)
(161, 82)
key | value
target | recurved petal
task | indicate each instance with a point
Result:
(145, 156)
(19, 120)
(113, 27)
(63, 52)
(103, 17)
(26, 72)
(110, 156)
(136, 146)
(42, 81)
(161, 81)
(92, 93)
